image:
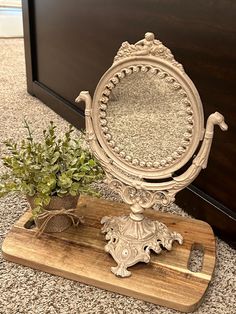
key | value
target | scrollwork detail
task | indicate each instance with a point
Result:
(149, 46)
(130, 242)
(138, 195)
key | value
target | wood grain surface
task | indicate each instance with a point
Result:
(78, 254)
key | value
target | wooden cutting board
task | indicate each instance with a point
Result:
(78, 254)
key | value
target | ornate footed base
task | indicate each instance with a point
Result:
(130, 241)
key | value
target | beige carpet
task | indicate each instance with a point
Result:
(24, 290)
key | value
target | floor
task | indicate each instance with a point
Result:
(24, 290)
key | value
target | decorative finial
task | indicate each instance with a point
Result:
(149, 36)
(149, 46)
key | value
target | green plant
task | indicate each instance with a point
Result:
(53, 167)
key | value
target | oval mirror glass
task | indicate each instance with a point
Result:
(147, 118)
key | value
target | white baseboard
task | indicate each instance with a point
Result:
(11, 24)
(10, 3)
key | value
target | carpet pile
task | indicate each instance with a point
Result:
(27, 291)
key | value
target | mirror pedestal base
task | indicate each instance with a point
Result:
(131, 241)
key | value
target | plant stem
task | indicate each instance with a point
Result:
(29, 131)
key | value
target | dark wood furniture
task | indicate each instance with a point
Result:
(69, 44)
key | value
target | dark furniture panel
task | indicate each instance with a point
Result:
(69, 45)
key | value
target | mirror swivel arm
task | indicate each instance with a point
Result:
(216, 118)
(85, 97)
(200, 161)
(90, 134)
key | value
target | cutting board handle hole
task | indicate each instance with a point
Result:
(30, 224)
(196, 256)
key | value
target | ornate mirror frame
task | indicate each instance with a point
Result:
(132, 237)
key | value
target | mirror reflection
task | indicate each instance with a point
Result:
(148, 119)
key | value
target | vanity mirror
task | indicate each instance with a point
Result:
(143, 124)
